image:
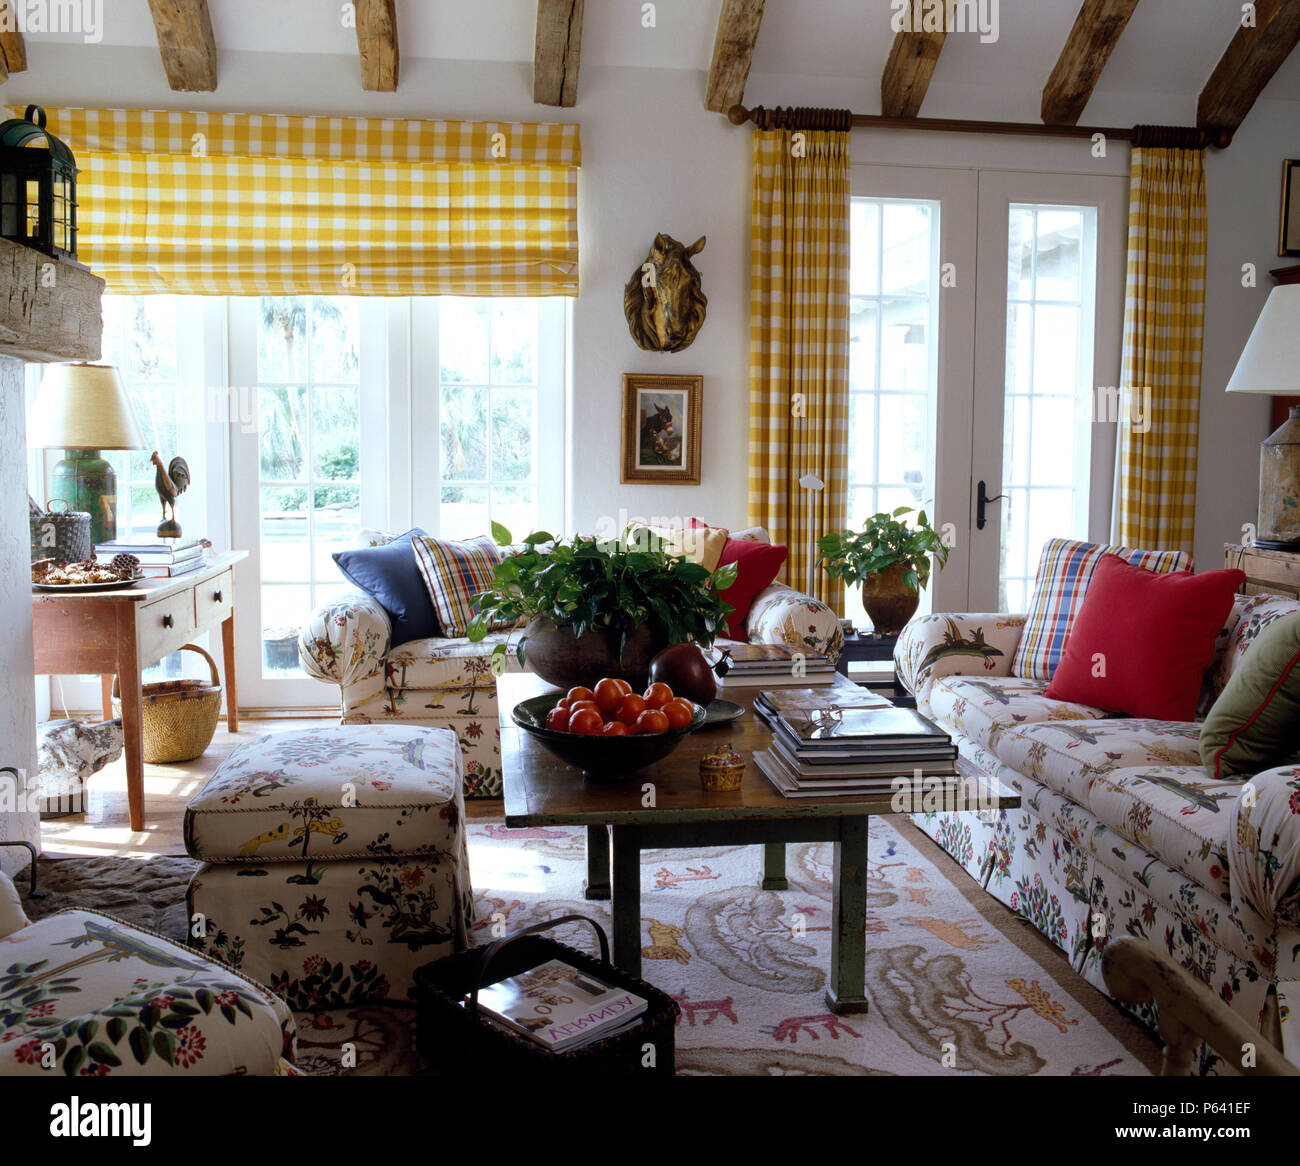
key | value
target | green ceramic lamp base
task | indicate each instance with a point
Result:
(87, 483)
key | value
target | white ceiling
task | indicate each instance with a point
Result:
(1169, 48)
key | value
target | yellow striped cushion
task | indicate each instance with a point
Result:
(455, 572)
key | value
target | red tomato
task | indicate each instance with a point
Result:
(580, 693)
(587, 722)
(629, 708)
(558, 719)
(624, 687)
(614, 729)
(652, 721)
(585, 704)
(657, 695)
(679, 711)
(608, 694)
(563, 703)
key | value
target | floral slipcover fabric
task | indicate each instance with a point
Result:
(449, 683)
(1121, 829)
(336, 861)
(87, 995)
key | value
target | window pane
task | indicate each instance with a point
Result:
(515, 507)
(151, 339)
(283, 610)
(284, 534)
(1059, 238)
(464, 511)
(513, 422)
(463, 421)
(1056, 349)
(905, 261)
(862, 437)
(282, 432)
(514, 342)
(335, 328)
(282, 339)
(864, 258)
(904, 353)
(1020, 254)
(863, 323)
(335, 429)
(463, 340)
(336, 519)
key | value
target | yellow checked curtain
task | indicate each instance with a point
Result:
(799, 343)
(1164, 307)
(240, 204)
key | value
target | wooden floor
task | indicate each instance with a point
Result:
(105, 828)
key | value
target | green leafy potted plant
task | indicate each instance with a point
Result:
(890, 559)
(591, 607)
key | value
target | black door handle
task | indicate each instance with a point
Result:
(982, 500)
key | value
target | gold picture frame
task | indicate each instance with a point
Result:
(662, 419)
(1289, 234)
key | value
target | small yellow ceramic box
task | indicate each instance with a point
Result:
(722, 770)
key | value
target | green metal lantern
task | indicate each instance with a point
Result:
(38, 186)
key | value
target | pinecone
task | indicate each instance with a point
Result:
(126, 566)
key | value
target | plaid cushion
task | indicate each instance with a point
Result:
(1064, 572)
(455, 572)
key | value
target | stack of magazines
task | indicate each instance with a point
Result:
(840, 749)
(772, 664)
(560, 1007)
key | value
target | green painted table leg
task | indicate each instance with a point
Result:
(849, 919)
(597, 884)
(774, 867)
(626, 906)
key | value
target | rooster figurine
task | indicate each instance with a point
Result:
(170, 482)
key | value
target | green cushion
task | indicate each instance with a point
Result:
(1255, 723)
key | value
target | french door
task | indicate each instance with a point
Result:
(986, 309)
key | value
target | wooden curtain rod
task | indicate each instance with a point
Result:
(800, 118)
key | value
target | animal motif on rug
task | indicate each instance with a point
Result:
(711, 1009)
(792, 1026)
(663, 943)
(1036, 997)
(664, 878)
(928, 1000)
(487, 909)
(960, 934)
(742, 932)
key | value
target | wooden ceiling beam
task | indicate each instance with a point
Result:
(912, 59)
(13, 49)
(189, 52)
(557, 53)
(1247, 65)
(733, 49)
(1095, 34)
(377, 44)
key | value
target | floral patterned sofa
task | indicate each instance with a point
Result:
(1121, 830)
(448, 682)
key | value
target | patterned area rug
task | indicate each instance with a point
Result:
(957, 985)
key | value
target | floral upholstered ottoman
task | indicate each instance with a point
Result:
(335, 861)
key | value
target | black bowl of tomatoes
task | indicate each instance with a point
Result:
(609, 730)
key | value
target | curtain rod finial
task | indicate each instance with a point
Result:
(738, 115)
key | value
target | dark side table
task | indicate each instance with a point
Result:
(860, 647)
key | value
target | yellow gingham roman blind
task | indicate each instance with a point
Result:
(248, 204)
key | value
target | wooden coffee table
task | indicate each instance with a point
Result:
(541, 790)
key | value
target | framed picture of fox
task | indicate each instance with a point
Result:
(661, 428)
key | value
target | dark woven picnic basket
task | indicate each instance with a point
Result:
(452, 1034)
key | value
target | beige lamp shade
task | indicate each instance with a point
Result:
(82, 406)
(1270, 362)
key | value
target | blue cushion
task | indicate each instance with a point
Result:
(390, 576)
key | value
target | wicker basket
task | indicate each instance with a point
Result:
(178, 716)
(63, 536)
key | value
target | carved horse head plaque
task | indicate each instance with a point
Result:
(663, 302)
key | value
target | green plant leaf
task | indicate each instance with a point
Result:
(501, 535)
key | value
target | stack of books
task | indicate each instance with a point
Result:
(159, 559)
(772, 664)
(560, 1007)
(848, 747)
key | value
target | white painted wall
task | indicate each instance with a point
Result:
(654, 160)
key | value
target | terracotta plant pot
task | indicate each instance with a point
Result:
(889, 601)
(566, 660)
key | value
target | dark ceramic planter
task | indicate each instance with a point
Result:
(566, 660)
(889, 601)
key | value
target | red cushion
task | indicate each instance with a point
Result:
(757, 564)
(1142, 640)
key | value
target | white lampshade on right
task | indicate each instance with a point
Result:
(1270, 365)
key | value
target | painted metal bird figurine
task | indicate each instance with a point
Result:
(170, 482)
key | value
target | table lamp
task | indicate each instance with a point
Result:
(83, 409)
(1270, 364)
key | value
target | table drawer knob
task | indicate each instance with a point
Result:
(216, 597)
(167, 621)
